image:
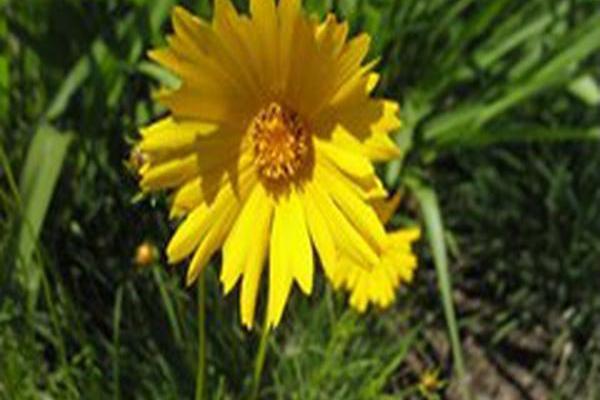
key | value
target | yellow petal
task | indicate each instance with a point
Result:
(209, 45)
(341, 273)
(320, 233)
(343, 60)
(354, 120)
(280, 274)
(168, 135)
(240, 40)
(352, 57)
(171, 173)
(214, 104)
(331, 36)
(361, 215)
(189, 234)
(372, 81)
(359, 297)
(189, 196)
(290, 255)
(218, 169)
(304, 69)
(264, 19)
(351, 162)
(211, 242)
(348, 240)
(245, 249)
(194, 67)
(252, 273)
(404, 236)
(300, 250)
(209, 155)
(378, 285)
(223, 212)
(380, 147)
(288, 12)
(389, 119)
(367, 187)
(377, 146)
(215, 86)
(201, 220)
(385, 208)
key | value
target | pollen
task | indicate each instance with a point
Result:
(281, 143)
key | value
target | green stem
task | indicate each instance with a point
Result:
(260, 360)
(201, 373)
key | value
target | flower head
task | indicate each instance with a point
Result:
(268, 147)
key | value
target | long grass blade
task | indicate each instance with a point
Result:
(4, 70)
(117, 313)
(435, 234)
(37, 183)
(523, 133)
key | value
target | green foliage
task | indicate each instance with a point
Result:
(534, 272)
(78, 319)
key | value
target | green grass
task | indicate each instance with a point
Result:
(500, 103)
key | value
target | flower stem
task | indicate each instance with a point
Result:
(260, 360)
(201, 373)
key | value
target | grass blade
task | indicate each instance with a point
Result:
(4, 69)
(78, 74)
(72, 82)
(159, 74)
(435, 234)
(169, 306)
(38, 179)
(520, 133)
(117, 313)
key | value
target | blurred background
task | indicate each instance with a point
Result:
(501, 109)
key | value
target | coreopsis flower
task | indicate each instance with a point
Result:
(268, 148)
(397, 262)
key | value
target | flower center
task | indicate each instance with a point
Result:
(281, 143)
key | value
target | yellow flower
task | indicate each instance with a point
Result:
(430, 383)
(268, 147)
(396, 265)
